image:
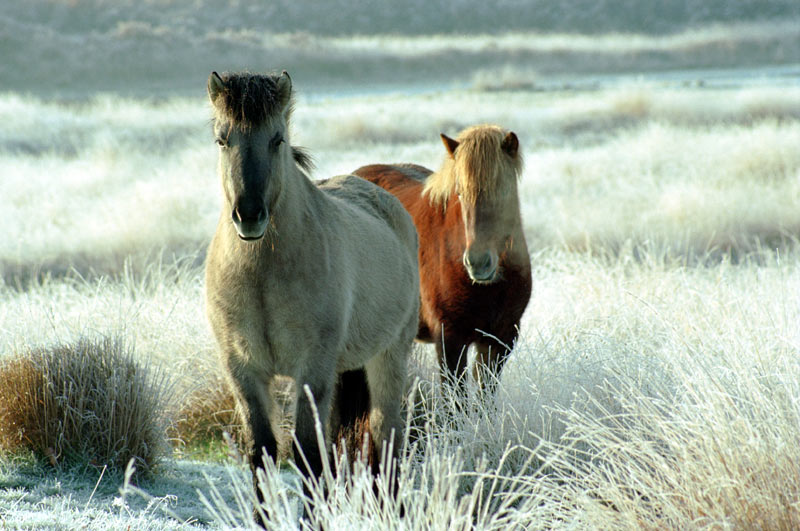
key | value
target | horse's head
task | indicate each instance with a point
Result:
(484, 165)
(251, 114)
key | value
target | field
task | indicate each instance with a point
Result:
(656, 382)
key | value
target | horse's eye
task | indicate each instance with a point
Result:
(276, 141)
(221, 142)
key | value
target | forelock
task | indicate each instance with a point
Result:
(480, 166)
(248, 99)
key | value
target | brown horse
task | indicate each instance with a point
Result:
(475, 271)
(304, 280)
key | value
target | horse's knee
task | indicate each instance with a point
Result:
(489, 362)
(313, 402)
(452, 354)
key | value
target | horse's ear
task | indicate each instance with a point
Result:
(449, 144)
(215, 86)
(510, 144)
(284, 86)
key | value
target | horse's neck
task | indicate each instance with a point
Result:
(288, 219)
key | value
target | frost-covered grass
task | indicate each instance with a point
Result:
(644, 392)
(36, 497)
(656, 383)
(86, 402)
(695, 398)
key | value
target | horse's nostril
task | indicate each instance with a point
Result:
(481, 261)
(249, 215)
(480, 267)
(466, 260)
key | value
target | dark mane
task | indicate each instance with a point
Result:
(248, 99)
(303, 159)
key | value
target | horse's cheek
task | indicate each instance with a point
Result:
(225, 182)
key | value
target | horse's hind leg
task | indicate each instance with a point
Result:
(349, 420)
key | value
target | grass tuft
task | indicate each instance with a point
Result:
(88, 403)
(208, 412)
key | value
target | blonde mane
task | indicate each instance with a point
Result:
(478, 166)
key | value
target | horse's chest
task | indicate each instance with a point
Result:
(481, 306)
(275, 328)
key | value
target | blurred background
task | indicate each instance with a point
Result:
(71, 48)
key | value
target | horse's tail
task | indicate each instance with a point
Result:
(352, 402)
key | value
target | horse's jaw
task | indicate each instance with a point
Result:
(484, 281)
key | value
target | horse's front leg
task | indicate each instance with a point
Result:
(253, 401)
(451, 350)
(308, 456)
(491, 356)
(386, 377)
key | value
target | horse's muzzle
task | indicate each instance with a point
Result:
(481, 267)
(250, 225)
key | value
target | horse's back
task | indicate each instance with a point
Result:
(404, 181)
(394, 175)
(374, 201)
